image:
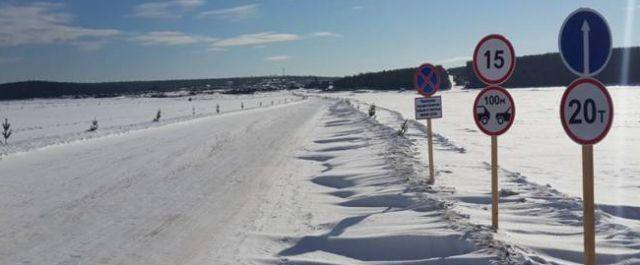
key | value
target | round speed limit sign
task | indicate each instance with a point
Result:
(494, 59)
(494, 110)
(586, 111)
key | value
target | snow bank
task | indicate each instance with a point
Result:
(387, 213)
(540, 211)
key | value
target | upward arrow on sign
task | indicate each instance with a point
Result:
(585, 29)
(585, 45)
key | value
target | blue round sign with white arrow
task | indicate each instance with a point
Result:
(585, 42)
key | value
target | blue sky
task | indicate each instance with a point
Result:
(150, 39)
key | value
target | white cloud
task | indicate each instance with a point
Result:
(166, 9)
(233, 14)
(89, 46)
(170, 38)
(454, 61)
(44, 23)
(216, 49)
(326, 34)
(277, 58)
(256, 38)
(8, 60)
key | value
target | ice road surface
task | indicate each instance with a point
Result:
(310, 181)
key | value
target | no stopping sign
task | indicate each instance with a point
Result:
(586, 111)
(427, 80)
(494, 110)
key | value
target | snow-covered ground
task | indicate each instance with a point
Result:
(307, 182)
(43, 122)
(540, 170)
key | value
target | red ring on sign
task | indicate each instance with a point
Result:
(434, 71)
(512, 66)
(565, 125)
(475, 103)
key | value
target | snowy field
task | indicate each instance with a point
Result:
(310, 181)
(42, 122)
(541, 174)
(536, 145)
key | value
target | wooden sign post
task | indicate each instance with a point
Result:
(494, 110)
(586, 112)
(430, 148)
(494, 181)
(587, 205)
(427, 109)
(427, 82)
(586, 108)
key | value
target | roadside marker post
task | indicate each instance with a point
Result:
(586, 108)
(494, 110)
(427, 82)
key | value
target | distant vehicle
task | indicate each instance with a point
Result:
(504, 116)
(484, 116)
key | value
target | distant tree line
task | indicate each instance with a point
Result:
(548, 70)
(531, 71)
(386, 80)
(239, 85)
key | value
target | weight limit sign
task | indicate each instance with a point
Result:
(586, 111)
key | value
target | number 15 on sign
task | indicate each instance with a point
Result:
(494, 59)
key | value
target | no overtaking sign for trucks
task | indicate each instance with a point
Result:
(494, 110)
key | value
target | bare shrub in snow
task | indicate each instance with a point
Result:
(94, 126)
(158, 116)
(6, 130)
(217, 108)
(403, 128)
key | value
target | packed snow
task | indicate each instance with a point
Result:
(540, 178)
(306, 181)
(42, 122)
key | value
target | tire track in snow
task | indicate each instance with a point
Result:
(391, 215)
(155, 196)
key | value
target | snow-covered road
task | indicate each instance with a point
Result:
(307, 182)
(184, 193)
